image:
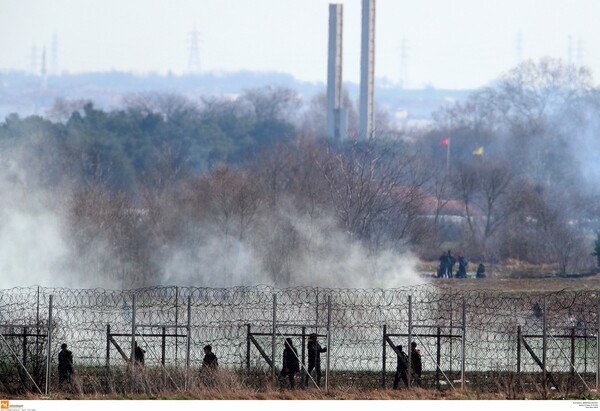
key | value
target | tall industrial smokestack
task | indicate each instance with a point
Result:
(367, 69)
(336, 118)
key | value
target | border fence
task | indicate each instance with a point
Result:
(483, 340)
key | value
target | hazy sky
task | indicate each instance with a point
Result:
(449, 43)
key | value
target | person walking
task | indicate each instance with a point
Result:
(65, 365)
(291, 364)
(416, 364)
(210, 359)
(314, 358)
(401, 368)
(139, 355)
(210, 364)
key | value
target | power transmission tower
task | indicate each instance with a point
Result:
(403, 63)
(194, 49)
(579, 52)
(570, 50)
(33, 62)
(519, 48)
(54, 55)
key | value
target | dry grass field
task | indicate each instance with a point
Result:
(513, 276)
(310, 395)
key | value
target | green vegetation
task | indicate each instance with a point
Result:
(165, 177)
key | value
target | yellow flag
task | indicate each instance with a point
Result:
(479, 151)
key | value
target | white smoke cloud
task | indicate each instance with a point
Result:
(333, 259)
(293, 250)
(32, 247)
(285, 247)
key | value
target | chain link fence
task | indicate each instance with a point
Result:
(481, 340)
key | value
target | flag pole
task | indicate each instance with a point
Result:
(448, 157)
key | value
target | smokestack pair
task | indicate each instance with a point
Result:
(336, 115)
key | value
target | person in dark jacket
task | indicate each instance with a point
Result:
(451, 262)
(480, 271)
(139, 355)
(209, 361)
(401, 368)
(462, 267)
(443, 267)
(291, 364)
(314, 358)
(416, 364)
(65, 365)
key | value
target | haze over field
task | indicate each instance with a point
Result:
(220, 187)
(462, 44)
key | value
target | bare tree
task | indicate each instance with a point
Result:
(110, 238)
(273, 103)
(485, 193)
(372, 184)
(167, 105)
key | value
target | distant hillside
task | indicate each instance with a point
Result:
(25, 94)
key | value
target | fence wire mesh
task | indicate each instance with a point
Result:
(499, 340)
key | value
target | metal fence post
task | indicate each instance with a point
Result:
(409, 373)
(274, 330)
(383, 355)
(598, 345)
(24, 346)
(464, 343)
(107, 349)
(328, 369)
(572, 378)
(248, 347)
(519, 334)
(188, 343)
(544, 344)
(163, 342)
(49, 346)
(176, 322)
(133, 308)
(438, 357)
(303, 375)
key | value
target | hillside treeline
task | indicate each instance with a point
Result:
(243, 190)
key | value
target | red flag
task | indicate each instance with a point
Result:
(445, 141)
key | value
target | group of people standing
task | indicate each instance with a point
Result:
(416, 366)
(446, 267)
(291, 362)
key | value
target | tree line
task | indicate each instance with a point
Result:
(255, 175)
